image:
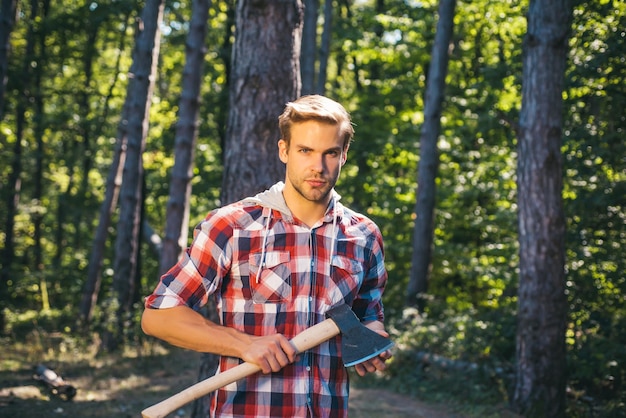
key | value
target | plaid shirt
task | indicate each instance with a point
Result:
(272, 274)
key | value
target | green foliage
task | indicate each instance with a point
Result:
(378, 68)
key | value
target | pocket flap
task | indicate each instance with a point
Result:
(348, 264)
(272, 258)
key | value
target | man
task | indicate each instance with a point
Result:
(276, 263)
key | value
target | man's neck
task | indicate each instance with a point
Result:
(304, 210)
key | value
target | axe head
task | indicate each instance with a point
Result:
(358, 343)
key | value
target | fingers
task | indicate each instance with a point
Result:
(372, 365)
(271, 353)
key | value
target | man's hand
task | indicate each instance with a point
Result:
(271, 352)
(377, 363)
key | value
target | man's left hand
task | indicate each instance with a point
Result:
(377, 363)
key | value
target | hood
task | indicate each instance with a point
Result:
(273, 199)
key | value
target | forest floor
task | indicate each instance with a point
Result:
(123, 385)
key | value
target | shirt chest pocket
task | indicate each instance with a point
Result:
(270, 277)
(347, 277)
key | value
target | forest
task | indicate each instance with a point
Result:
(122, 124)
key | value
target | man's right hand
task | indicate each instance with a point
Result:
(271, 352)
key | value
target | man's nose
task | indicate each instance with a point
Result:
(317, 163)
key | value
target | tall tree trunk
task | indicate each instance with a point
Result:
(322, 74)
(542, 303)
(429, 158)
(177, 216)
(139, 95)
(7, 252)
(38, 131)
(8, 17)
(309, 46)
(15, 176)
(265, 76)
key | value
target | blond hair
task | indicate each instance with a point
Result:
(319, 108)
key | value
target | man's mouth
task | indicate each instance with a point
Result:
(316, 182)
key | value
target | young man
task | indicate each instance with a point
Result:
(276, 263)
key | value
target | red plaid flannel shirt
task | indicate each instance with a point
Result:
(301, 277)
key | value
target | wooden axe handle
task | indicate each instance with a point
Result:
(305, 340)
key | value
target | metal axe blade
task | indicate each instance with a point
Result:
(358, 343)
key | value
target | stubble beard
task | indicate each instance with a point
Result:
(316, 195)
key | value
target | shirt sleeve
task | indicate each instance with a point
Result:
(368, 305)
(199, 271)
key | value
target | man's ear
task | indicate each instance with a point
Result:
(344, 155)
(282, 150)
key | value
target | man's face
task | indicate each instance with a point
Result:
(313, 159)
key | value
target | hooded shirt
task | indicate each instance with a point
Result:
(270, 273)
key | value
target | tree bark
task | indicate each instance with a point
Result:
(324, 54)
(8, 17)
(309, 46)
(429, 159)
(38, 131)
(177, 216)
(265, 76)
(542, 303)
(139, 95)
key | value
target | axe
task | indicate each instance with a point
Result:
(358, 344)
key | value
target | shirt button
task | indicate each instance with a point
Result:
(310, 298)
(308, 368)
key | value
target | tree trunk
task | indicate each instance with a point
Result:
(38, 131)
(15, 177)
(7, 252)
(8, 16)
(429, 158)
(542, 303)
(309, 46)
(322, 75)
(177, 218)
(139, 95)
(265, 76)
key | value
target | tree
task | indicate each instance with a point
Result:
(93, 280)
(429, 158)
(8, 14)
(542, 303)
(177, 217)
(324, 51)
(135, 129)
(26, 88)
(265, 75)
(308, 53)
